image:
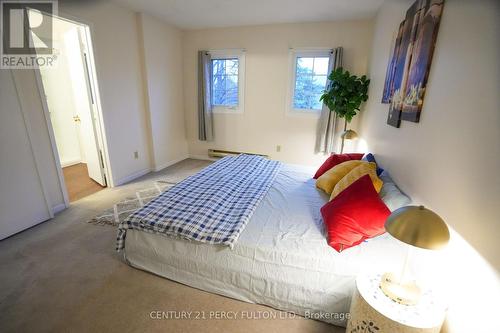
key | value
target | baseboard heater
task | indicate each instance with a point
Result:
(217, 153)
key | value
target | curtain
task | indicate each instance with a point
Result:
(205, 115)
(325, 136)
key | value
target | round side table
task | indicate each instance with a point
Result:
(373, 312)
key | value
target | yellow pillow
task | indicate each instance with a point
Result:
(329, 179)
(369, 169)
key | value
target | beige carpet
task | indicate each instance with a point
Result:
(64, 276)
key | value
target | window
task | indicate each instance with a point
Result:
(227, 81)
(309, 78)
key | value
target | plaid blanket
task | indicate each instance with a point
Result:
(212, 206)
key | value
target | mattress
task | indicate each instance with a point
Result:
(281, 259)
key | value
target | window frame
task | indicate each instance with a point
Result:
(294, 54)
(230, 54)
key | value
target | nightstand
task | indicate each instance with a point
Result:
(373, 312)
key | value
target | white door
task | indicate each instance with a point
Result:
(85, 104)
(22, 200)
(93, 154)
(95, 162)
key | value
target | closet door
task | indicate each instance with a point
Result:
(22, 200)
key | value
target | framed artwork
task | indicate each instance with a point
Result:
(409, 66)
(388, 87)
(422, 51)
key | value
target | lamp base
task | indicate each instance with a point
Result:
(400, 292)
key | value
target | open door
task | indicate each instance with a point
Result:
(72, 83)
(95, 160)
(84, 102)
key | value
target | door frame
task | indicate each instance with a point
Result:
(101, 129)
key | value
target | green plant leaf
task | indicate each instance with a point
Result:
(345, 93)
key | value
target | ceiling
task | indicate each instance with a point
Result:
(199, 14)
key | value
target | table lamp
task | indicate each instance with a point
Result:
(348, 134)
(416, 226)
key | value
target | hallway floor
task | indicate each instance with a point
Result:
(78, 182)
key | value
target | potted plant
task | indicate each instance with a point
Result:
(344, 96)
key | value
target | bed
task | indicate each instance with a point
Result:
(281, 258)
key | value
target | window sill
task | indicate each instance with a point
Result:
(223, 110)
(304, 113)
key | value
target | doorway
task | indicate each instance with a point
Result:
(70, 90)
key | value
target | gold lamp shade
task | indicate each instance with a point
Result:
(349, 134)
(418, 226)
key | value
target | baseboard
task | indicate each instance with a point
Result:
(70, 163)
(131, 177)
(58, 208)
(169, 163)
(202, 157)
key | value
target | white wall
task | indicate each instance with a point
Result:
(162, 61)
(451, 159)
(116, 49)
(265, 122)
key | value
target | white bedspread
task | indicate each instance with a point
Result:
(281, 259)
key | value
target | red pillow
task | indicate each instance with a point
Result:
(335, 159)
(354, 215)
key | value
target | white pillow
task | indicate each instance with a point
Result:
(391, 195)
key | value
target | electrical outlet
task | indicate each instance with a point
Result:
(136, 155)
(278, 148)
